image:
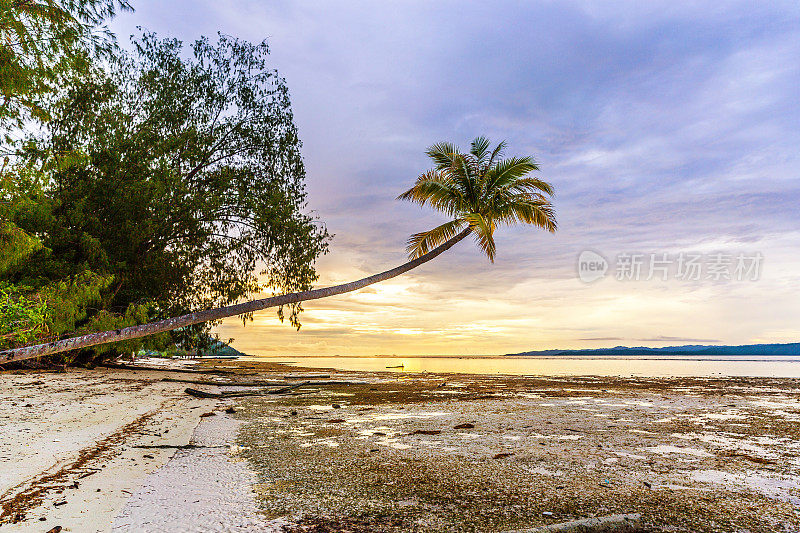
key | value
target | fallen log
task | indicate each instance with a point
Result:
(227, 383)
(319, 383)
(307, 376)
(287, 389)
(616, 523)
(236, 394)
(231, 394)
(201, 393)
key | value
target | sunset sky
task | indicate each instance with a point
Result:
(665, 129)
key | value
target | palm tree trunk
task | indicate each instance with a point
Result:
(134, 332)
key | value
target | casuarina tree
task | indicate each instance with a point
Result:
(165, 185)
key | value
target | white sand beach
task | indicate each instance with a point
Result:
(101, 450)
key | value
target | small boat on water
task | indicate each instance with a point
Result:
(396, 366)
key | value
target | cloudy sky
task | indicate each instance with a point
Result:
(666, 128)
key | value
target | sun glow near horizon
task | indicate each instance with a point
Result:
(425, 314)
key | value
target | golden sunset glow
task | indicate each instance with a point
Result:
(425, 313)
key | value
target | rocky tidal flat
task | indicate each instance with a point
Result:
(401, 452)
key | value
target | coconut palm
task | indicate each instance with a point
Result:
(478, 191)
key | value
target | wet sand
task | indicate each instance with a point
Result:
(399, 452)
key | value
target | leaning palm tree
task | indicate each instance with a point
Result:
(477, 190)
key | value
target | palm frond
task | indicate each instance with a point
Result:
(509, 170)
(531, 185)
(483, 229)
(527, 209)
(497, 153)
(443, 154)
(422, 243)
(463, 172)
(479, 148)
(436, 189)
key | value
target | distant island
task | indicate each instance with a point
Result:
(792, 348)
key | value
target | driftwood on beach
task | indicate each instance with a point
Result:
(206, 394)
(227, 383)
(201, 393)
(236, 394)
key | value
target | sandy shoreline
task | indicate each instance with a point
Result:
(75, 446)
(392, 452)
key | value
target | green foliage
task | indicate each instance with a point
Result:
(43, 44)
(67, 305)
(133, 315)
(22, 319)
(16, 245)
(161, 186)
(20, 190)
(479, 191)
(72, 298)
(40, 42)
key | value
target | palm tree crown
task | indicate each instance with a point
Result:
(480, 191)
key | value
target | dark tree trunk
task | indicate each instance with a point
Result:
(134, 332)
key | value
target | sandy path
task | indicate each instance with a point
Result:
(68, 443)
(200, 489)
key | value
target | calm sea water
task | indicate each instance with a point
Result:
(656, 366)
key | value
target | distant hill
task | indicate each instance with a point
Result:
(689, 349)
